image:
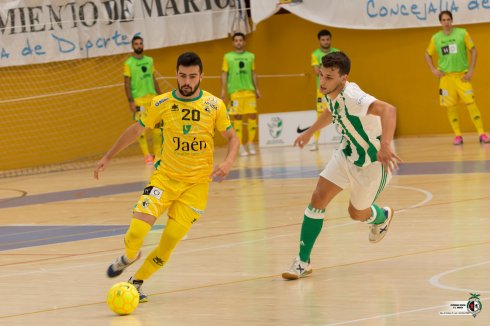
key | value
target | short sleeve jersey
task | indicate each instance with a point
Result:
(188, 130)
(316, 60)
(141, 73)
(451, 50)
(240, 67)
(361, 132)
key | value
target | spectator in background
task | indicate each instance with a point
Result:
(239, 79)
(454, 72)
(325, 41)
(141, 86)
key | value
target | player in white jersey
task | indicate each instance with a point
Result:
(363, 162)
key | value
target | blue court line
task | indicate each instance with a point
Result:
(14, 237)
(421, 168)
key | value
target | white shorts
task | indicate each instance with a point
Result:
(365, 183)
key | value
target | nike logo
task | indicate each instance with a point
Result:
(299, 130)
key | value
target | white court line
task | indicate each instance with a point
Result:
(177, 252)
(435, 280)
(393, 314)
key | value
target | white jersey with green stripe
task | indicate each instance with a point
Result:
(361, 132)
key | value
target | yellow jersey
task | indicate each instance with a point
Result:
(188, 131)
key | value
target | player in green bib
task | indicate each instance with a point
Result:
(325, 40)
(141, 86)
(454, 72)
(239, 79)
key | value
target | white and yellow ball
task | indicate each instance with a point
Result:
(123, 298)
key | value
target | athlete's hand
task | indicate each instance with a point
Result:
(302, 139)
(467, 77)
(437, 73)
(221, 171)
(388, 158)
(100, 166)
(132, 107)
(257, 94)
(223, 95)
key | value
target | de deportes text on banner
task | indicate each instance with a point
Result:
(37, 31)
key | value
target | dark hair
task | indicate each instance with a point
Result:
(324, 32)
(188, 59)
(237, 34)
(136, 37)
(338, 60)
(445, 12)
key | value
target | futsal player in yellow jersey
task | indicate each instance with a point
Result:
(180, 182)
(141, 86)
(454, 72)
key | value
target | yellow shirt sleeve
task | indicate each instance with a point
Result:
(468, 41)
(222, 119)
(224, 67)
(154, 113)
(127, 71)
(314, 61)
(431, 49)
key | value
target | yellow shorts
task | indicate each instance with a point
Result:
(242, 102)
(185, 202)
(142, 105)
(321, 102)
(452, 90)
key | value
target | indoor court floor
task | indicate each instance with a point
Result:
(60, 231)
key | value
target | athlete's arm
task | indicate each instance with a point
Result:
(433, 69)
(127, 89)
(323, 120)
(471, 70)
(127, 137)
(157, 87)
(224, 81)
(222, 169)
(256, 85)
(387, 113)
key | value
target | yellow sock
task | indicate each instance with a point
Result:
(157, 143)
(252, 129)
(171, 236)
(238, 126)
(143, 144)
(135, 236)
(453, 116)
(317, 136)
(476, 118)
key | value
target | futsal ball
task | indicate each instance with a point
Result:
(123, 298)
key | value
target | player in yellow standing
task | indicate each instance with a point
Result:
(180, 182)
(325, 41)
(141, 86)
(239, 78)
(454, 72)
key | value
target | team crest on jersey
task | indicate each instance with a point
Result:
(174, 107)
(163, 100)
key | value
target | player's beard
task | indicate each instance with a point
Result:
(186, 92)
(334, 89)
(138, 51)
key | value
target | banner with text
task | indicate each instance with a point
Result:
(282, 128)
(37, 31)
(376, 14)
